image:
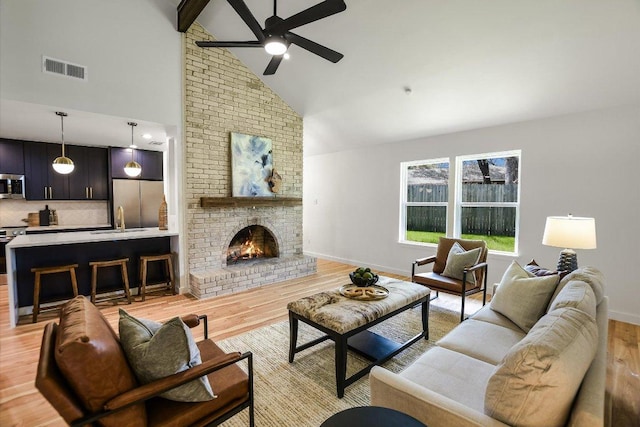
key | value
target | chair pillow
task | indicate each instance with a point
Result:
(537, 380)
(459, 259)
(522, 297)
(157, 350)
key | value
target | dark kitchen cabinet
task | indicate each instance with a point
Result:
(151, 162)
(41, 181)
(11, 157)
(89, 180)
(152, 165)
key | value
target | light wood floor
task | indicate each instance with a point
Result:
(22, 405)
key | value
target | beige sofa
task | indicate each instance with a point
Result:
(488, 371)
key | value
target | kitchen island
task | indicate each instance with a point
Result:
(38, 250)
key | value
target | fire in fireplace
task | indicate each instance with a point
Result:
(250, 243)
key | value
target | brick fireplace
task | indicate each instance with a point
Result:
(223, 96)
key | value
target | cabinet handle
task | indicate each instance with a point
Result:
(45, 192)
(91, 192)
(86, 192)
(50, 193)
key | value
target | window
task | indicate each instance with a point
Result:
(425, 200)
(486, 204)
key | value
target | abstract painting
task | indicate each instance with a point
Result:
(251, 165)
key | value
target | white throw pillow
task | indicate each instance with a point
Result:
(522, 297)
(458, 259)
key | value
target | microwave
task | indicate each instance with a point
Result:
(11, 186)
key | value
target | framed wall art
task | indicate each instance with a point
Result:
(251, 165)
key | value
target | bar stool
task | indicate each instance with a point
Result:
(39, 271)
(168, 267)
(122, 263)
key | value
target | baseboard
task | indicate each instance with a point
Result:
(624, 317)
(356, 262)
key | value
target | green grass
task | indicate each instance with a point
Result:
(495, 243)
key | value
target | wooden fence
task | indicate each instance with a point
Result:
(498, 221)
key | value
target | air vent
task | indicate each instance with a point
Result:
(156, 143)
(63, 68)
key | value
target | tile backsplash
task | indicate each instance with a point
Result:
(69, 212)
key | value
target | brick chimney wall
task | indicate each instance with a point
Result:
(224, 96)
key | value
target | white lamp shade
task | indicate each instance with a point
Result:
(63, 165)
(133, 169)
(275, 46)
(570, 232)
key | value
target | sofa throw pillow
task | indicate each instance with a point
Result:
(522, 297)
(157, 350)
(458, 259)
(537, 380)
(533, 268)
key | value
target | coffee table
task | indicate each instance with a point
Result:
(345, 321)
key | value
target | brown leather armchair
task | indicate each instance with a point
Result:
(436, 282)
(90, 381)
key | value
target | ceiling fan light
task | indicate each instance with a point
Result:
(133, 169)
(275, 46)
(63, 165)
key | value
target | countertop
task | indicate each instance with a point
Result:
(74, 237)
(65, 227)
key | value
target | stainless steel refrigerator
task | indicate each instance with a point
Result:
(140, 201)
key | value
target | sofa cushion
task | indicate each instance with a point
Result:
(451, 374)
(486, 314)
(458, 259)
(523, 298)
(157, 350)
(538, 379)
(576, 294)
(471, 338)
(91, 360)
(589, 275)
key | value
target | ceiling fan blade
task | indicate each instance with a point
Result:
(314, 13)
(313, 47)
(273, 65)
(251, 43)
(241, 9)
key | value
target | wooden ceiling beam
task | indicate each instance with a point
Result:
(188, 11)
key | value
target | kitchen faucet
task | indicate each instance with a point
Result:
(120, 219)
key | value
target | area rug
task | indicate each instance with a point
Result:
(303, 393)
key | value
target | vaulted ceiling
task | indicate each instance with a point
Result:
(417, 68)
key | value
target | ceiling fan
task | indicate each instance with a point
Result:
(276, 36)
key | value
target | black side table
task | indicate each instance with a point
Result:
(371, 416)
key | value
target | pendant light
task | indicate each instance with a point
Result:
(132, 168)
(63, 165)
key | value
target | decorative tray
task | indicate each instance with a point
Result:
(364, 293)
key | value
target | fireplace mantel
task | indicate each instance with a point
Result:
(226, 202)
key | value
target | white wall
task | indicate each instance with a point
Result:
(131, 49)
(586, 164)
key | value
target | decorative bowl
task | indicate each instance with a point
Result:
(359, 281)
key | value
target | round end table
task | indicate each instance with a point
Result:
(371, 416)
